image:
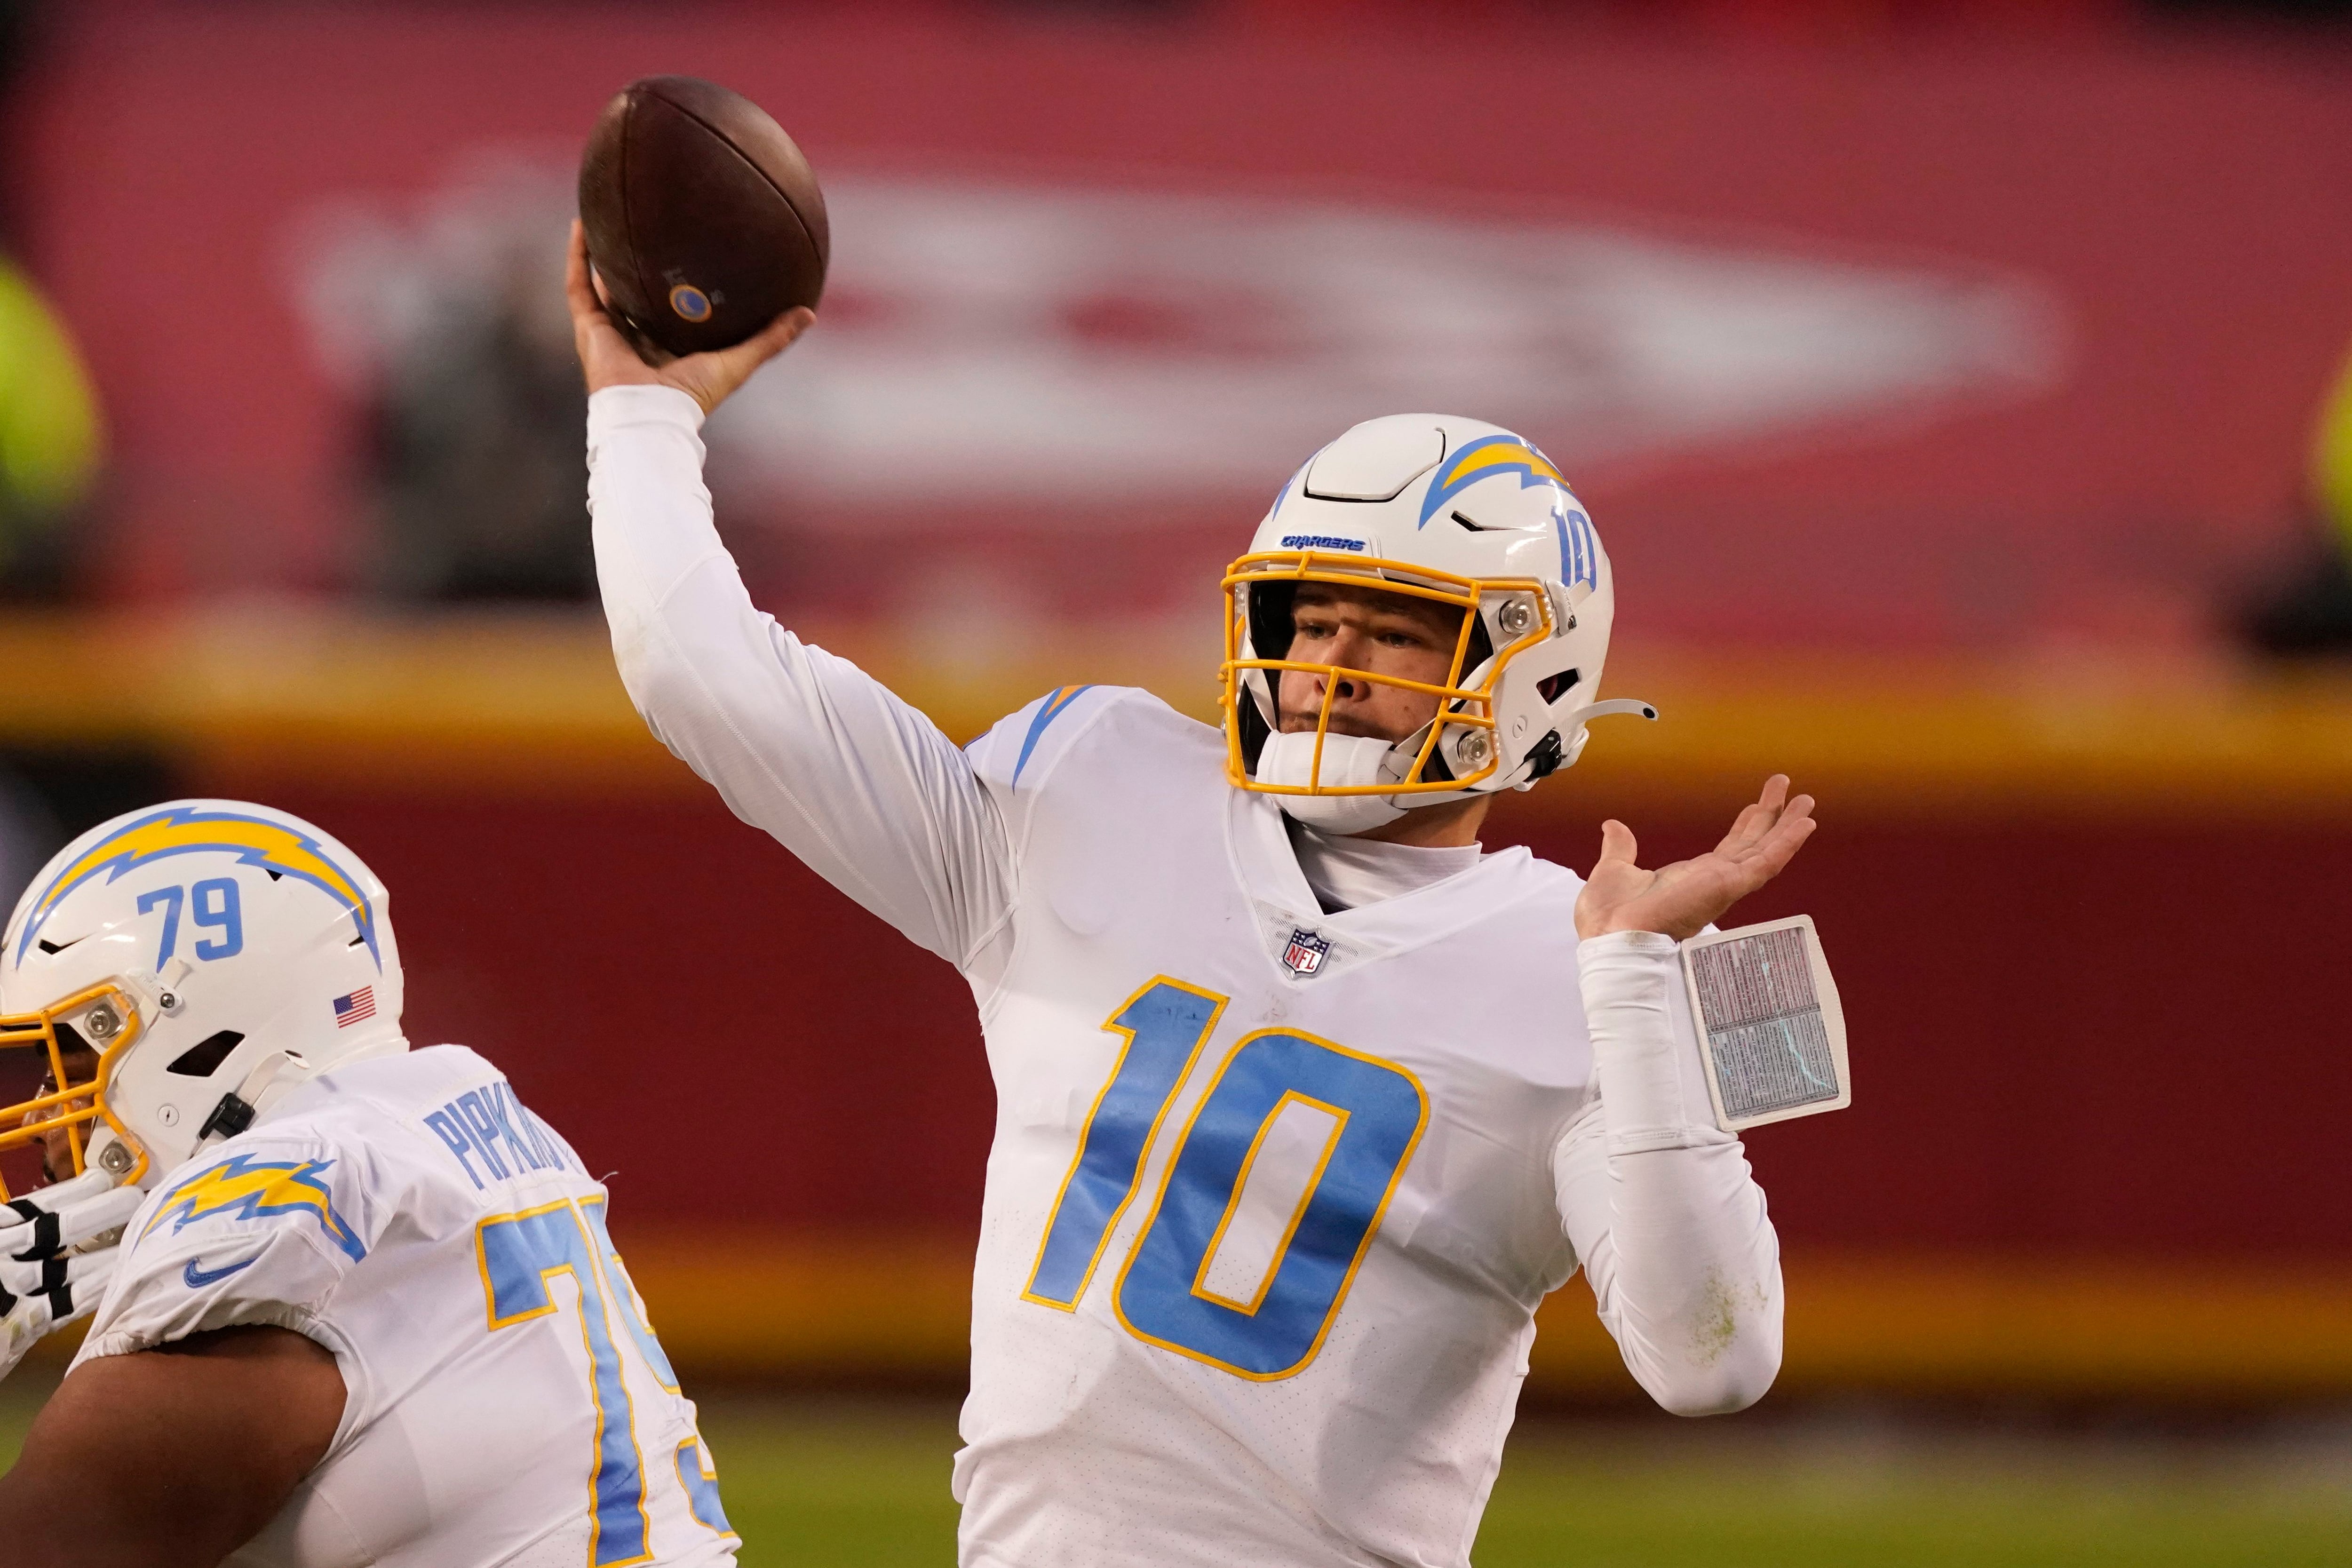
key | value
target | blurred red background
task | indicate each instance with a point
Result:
(1936, 404)
(1977, 345)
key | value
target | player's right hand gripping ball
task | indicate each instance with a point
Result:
(704, 222)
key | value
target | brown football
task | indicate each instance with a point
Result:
(704, 221)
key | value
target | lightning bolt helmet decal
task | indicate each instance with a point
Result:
(1483, 458)
(188, 830)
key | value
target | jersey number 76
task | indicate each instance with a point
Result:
(1349, 1121)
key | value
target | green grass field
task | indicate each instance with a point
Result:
(864, 1485)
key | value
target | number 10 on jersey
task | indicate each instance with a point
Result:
(1351, 1120)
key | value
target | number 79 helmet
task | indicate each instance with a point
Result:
(1457, 512)
(177, 969)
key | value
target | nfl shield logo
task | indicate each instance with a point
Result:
(1307, 951)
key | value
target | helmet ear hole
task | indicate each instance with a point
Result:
(203, 1058)
(1552, 688)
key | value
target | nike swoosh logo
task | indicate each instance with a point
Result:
(197, 1278)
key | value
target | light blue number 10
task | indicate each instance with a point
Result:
(1375, 1111)
(1166, 1024)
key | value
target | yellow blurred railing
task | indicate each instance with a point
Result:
(897, 1308)
(530, 700)
(757, 1303)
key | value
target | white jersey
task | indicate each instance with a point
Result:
(1273, 1192)
(506, 1402)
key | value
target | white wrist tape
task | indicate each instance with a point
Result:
(1768, 1012)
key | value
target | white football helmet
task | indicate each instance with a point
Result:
(1448, 509)
(212, 955)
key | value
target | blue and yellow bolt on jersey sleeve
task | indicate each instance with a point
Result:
(508, 1401)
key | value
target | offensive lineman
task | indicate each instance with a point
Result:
(1303, 1102)
(365, 1308)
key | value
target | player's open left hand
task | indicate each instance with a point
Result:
(1684, 899)
(608, 359)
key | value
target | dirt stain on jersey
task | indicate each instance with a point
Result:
(1717, 1329)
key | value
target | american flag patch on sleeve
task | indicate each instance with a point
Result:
(359, 1005)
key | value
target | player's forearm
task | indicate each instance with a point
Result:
(1687, 1271)
(1687, 1277)
(654, 530)
(862, 787)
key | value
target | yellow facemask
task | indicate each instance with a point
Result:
(1520, 607)
(104, 1020)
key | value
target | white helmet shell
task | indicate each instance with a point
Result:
(1476, 512)
(253, 949)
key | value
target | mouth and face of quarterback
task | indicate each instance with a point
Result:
(1374, 631)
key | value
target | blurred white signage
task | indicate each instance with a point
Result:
(1087, 352)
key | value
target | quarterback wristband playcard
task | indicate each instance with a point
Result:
(1767, 1011)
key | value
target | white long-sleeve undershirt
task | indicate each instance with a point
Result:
(805, 746)
(1658, 1204)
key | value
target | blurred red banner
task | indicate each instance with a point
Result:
(1986, 342)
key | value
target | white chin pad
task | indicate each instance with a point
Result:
(1347, 760)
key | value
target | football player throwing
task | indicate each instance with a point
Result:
(1304, 1103)
(364, 1308)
